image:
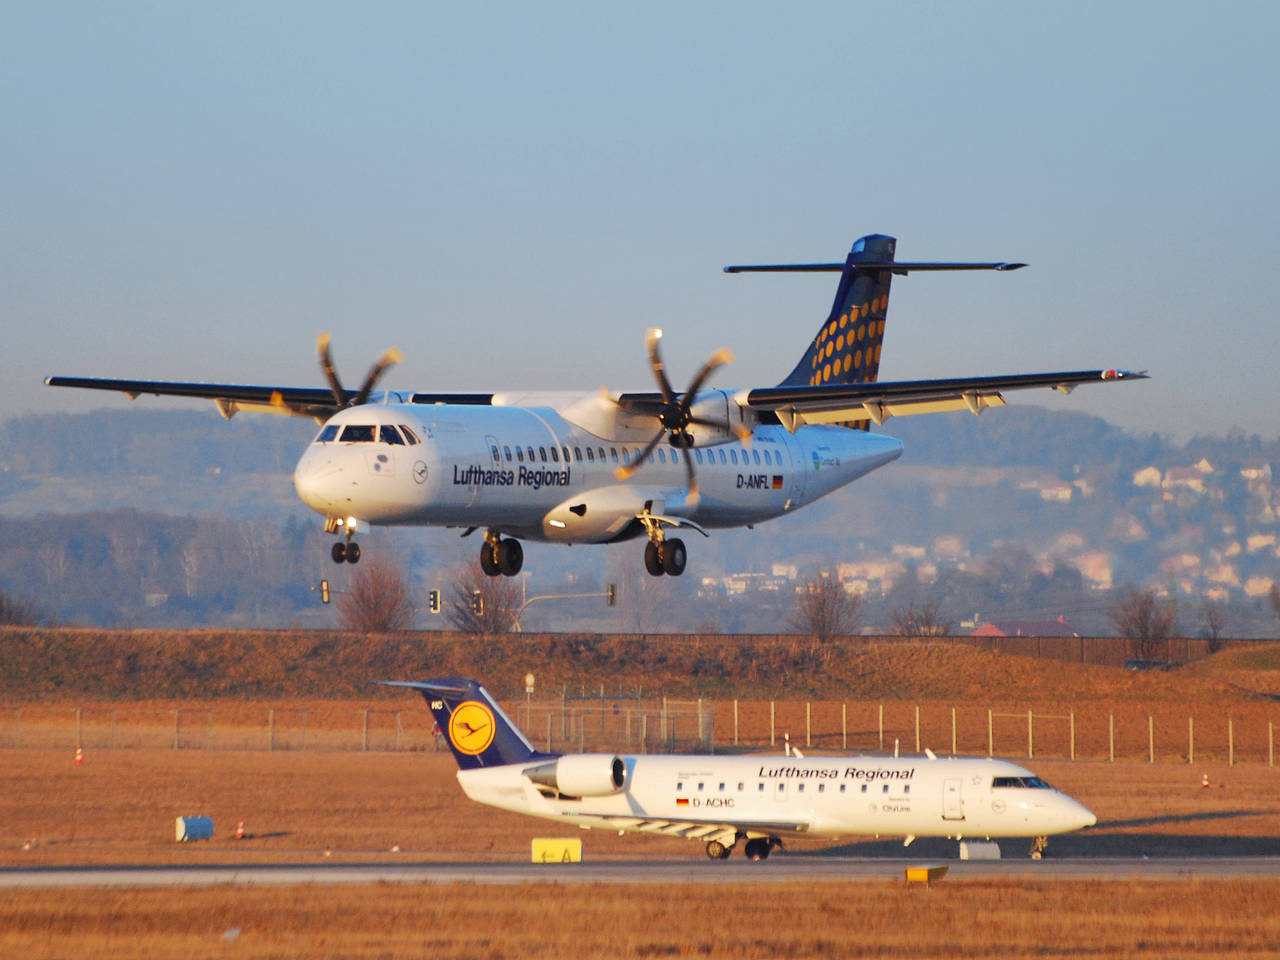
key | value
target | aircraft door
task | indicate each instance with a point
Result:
(952, 799)
(798, 471)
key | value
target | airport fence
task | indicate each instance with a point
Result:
(1157, 733)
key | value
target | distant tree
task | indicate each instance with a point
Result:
(824, 608)
(16, 612)
(1275, 599)
(922, 620)
(1146, 619)
(499, 597)
(1213, 621)
(378, 600)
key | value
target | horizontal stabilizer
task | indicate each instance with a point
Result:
(899, 267)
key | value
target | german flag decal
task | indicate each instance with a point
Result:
(682, 801)
(777, 482)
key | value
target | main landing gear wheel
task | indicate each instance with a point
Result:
(757, 849)
(510, 557)
(1037, 847)
(653, 559)
(348, 552)
(673, 557)
(504, 557)
(717, 850)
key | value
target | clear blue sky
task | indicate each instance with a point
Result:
(511, 193)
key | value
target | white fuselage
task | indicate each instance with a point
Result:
(830, 796)
(534, 473)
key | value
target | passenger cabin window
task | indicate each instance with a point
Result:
(613, 454)
(661, 457)
(529, 450)
(507, 450)
(697, 455)
(519, 454)
(733, 455)
(555, 455)
(542, 452)
(328, 433)
(755, 455)
(590, 457)
(493, 451)
(565, 451)
(723, 458)
(409, 435)
(358, 433)
(577, 454)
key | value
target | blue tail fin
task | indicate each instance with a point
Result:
(847, 347)
(477, 730)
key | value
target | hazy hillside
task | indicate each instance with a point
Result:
(145, 517)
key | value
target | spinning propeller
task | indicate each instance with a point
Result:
(389, 358)
(676, 412)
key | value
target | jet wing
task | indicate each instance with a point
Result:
(842, 403)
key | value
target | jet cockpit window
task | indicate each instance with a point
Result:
(328, 433)
(389, 434)
(1034, 783)
(409, 435)
(358, 433)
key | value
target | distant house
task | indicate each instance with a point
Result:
(1025, 628)
(1147, 477)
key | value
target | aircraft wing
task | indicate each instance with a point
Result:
(877, 402)
(319, 403)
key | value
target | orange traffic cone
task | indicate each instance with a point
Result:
(240, 829)
(1204, 781)
(79, 755)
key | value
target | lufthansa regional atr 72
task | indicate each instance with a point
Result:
(758, 799)
(601, 466)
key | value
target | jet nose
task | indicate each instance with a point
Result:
(1079, 816)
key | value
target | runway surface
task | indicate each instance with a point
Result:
(778, 869)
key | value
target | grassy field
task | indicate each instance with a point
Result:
(976, 919)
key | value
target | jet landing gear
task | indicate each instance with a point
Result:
(666, 556)
(757, 848)
(1037, 847)
(499, 556)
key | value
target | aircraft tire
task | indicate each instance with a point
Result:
(488, 562)
(339, 552)
(653, 559)
(757, 849)
(674, 556)
(353, 553)
(717, 850)
(510, 557)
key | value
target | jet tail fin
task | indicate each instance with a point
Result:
(478, 731)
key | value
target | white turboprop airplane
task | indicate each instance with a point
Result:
(592, 467)
(760, 799)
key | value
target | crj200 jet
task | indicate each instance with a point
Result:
(593, 467)
(759, 799)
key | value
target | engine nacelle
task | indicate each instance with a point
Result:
(581, 774)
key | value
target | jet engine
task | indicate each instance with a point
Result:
(581, 774)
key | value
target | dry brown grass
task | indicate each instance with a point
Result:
(972, 919)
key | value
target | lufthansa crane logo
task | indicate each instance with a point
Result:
(471, 728)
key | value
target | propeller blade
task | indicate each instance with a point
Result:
(717, 359)
(651, 338)
(693, 478)
(389, 358)
(626, 471)
(330, 374)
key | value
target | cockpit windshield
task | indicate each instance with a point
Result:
(328, 434)
(358, 433)
(1032, 782)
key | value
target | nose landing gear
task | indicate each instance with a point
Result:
(347, 550)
